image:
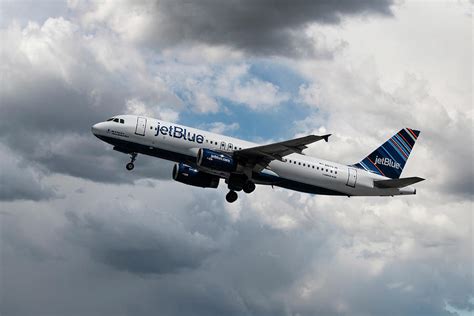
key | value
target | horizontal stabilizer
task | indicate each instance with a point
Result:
(397, 183)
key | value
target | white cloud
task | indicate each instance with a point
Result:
(137, 107)
(203, 85)
(257, 94)
(374, 88)
(221, 128)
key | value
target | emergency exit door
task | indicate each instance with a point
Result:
(141, 125)
(352, 177)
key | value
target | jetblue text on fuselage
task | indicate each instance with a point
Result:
(178, 132)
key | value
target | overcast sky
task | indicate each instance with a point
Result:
(80, 235)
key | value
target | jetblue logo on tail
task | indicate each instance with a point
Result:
(387, 162)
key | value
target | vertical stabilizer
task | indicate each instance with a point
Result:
(389, 159)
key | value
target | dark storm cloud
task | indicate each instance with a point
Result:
(63, 143)
(273, 27)
(21, 184)
(46, 114)
(182, 258)
(19, 180)
(166, 247)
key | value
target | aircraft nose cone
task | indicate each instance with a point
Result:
(95, 129)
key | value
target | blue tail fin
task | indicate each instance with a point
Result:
(389, 159)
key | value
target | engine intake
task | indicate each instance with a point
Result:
(216, 160)
(190, 176)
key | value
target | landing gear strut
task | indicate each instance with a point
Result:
(130, 165)
(232, 196)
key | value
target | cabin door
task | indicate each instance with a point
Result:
(352, 177)
(141, 125)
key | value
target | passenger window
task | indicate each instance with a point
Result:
(313, 167)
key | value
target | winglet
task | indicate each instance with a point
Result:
(326, 137)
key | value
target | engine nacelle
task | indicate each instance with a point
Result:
(215, 160)
(188, 175)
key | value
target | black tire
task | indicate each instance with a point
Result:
(231, 197)
(130, 166)
(249, 187)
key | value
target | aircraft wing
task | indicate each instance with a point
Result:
(262, 155)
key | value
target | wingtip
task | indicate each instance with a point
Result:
(326, 137)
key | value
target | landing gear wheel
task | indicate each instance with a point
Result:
(130, 165)
(249, 187)
(231, 197)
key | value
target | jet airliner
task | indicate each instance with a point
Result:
(203, 159)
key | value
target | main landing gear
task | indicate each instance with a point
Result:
(231, 197)
(130, 165)
(247, 187)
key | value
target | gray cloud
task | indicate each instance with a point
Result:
(164, 248)
(66, 74)
(188, 255)
(257, 27)
(21, 181)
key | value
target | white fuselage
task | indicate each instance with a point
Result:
(182, 141)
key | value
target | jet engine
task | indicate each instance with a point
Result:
(188, 175)
(216, 160)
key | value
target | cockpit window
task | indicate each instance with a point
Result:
(122, 121)
(116, 120)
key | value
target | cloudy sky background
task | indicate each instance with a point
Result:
(82, 236)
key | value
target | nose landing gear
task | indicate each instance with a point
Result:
(130, 165)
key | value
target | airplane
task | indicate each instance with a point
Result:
(204, 158)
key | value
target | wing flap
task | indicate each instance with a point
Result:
(396, 183)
